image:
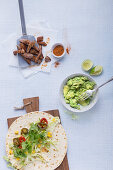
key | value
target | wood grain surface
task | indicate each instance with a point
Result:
(35, 107)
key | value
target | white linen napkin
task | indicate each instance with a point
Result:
(36, 29)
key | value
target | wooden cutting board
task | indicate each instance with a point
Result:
(35, 107)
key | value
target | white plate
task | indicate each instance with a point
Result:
(83, 108)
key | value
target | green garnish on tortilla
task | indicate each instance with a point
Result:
(32, 142)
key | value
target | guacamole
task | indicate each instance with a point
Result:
(74, 88)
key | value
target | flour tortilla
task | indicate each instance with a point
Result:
(54, 157)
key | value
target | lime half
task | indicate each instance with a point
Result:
(97, 70)
(87, 65)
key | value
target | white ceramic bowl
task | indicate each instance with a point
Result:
(83, 108)
(59, 57)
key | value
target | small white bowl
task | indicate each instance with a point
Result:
(58, 57)
(83, 108)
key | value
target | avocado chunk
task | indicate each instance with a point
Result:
(65, 90)
(84, 102)
(74, 88)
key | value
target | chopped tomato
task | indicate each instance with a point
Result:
(20, 147)
(22, 139)
(44, 120)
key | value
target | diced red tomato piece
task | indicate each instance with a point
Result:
(22, 139)
(44, 120)
(20, 147)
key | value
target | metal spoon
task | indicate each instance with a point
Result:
(22, 62)
(89, 93)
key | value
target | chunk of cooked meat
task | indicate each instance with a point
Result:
(47, 59)
(39, 39)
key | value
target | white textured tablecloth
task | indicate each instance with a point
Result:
(90, 33)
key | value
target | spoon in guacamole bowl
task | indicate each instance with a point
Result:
(74, 86)
(88, 93)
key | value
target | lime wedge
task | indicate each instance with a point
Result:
(87, 65)
(97, 70)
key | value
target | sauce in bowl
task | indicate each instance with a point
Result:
(58, 50)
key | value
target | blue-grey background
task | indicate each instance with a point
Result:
(90, 33)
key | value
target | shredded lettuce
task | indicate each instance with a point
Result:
(36, 140)
(53, 124)
(8, 162)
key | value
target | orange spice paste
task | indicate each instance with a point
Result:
(68, 49)
(56, 64)
(58, 50)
